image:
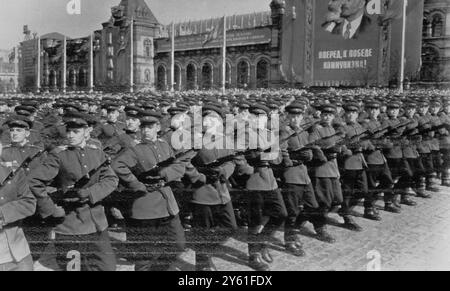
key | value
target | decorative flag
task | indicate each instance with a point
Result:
(395, 9)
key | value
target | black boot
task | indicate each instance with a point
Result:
(266, 255)
(204, 263)
(369, 213)
(256, 262)
(396, 201)
(445, 175)
(406, 200)
(350, 224)
(431, 183)
(295, 248)
(421, 188)
(324, 236)
(390, 207)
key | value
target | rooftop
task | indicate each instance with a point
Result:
(235, 22)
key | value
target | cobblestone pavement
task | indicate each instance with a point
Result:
(416, 239)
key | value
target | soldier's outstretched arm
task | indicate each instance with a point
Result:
(39, 178)
(122, 166)
(23, 207)
(107, 183)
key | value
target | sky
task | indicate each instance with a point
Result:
(45, 16)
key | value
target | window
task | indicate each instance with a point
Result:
(262, 74)
(148, 48)
(243, 74)
(437, 25)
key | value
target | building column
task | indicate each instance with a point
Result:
(252, 77)
(183, 79)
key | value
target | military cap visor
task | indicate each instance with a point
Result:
(75, 120)
(328, 108)
(373, 105)
(149, 118)
(176, 110)
(132, 111)
(351, 107)
(259, 109)
(209, 109)
(24, 110)
(19, 121)
(295, 109)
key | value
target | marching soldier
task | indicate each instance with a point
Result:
(324, 170)
(445, 144)
(299, 193)
(354, 165)
(266, 208)
(20, 149)
(80, 224)
(435, 108)
(16, 203)
(213, 214)
(400, 169)
(108, 131)
(427, 145)
(411, 154)
(152, 214)
(379, 176)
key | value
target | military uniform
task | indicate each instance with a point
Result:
(353, 162)
(400, 168)
(445, 145)
(266, 208)
(299, 193)
(108, 132)
(16, 203)
(153, 215)
(427, 146)
(379, 175)
(325, 172)
(83, 228)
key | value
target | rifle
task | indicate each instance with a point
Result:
(431, 129)
(392, 130)
(84, 182)
(25, 164)
(164, 164)
(215, 164)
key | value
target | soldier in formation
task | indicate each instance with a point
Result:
(169, 169)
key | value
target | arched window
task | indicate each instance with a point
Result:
(426, 29)
(177, 78)
(243, 74)
(437, 25)
(82, 77)
(161, 78)
(431, 67)
(228, 76)
(262, 74)
(191, 77)
(148, 48)
(52, 79)
(72, 81)
(207, 76)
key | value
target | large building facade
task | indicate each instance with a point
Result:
(436, 41)
(132, 51)
(8, 71)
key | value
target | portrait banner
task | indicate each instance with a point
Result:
(347, 42)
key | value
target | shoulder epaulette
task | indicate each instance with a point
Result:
(60, 149)
(92, 146)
